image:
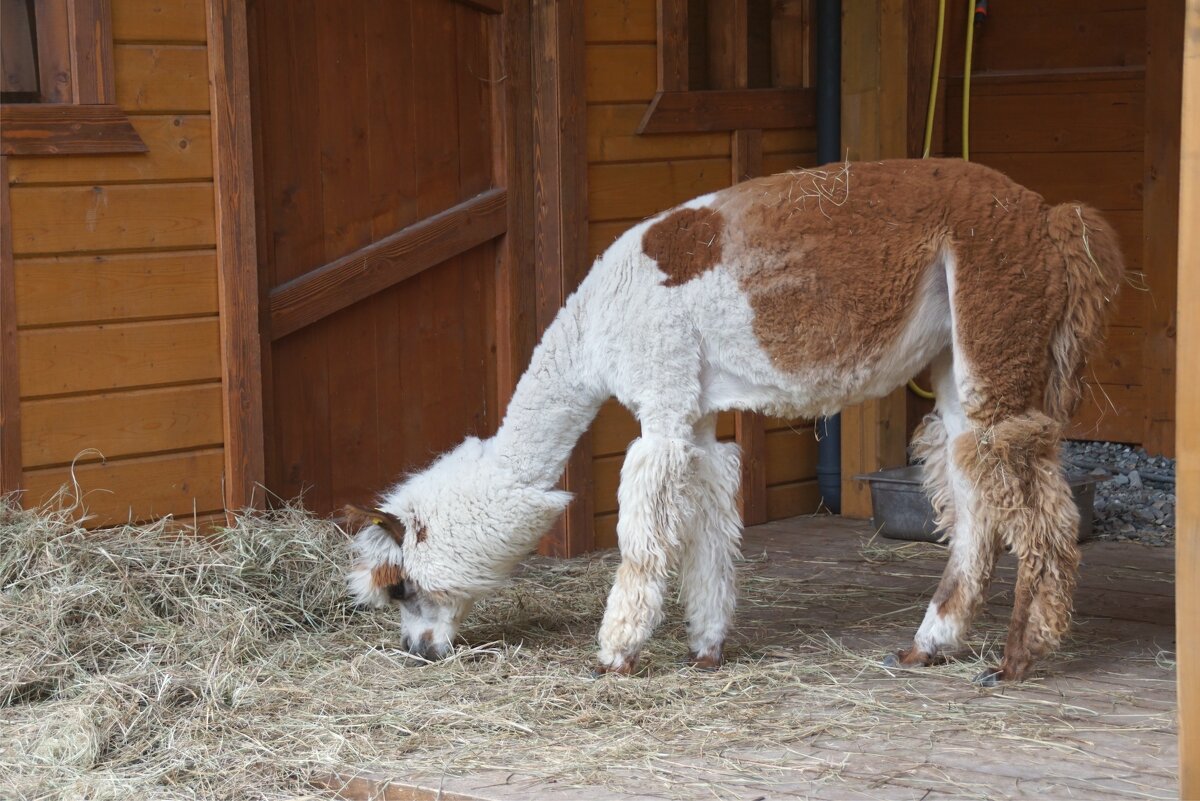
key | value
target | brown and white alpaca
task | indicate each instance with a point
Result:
(793, 295)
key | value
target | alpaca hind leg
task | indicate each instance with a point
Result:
(707, 577)
(656, 498)
(1029, 500)
(973, 546)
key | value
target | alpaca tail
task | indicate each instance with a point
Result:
(1095, 269)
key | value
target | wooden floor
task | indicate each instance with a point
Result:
(1112, 690)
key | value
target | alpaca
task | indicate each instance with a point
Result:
(794, 295)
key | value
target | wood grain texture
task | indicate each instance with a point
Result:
(159, 21)
(1160, 254)
(237, 254)
(612, 136)
(84, 219)
(93, 289)
(560, 224)
(124, 490)
(672, 39)
(91, 51)
(119, 424)
(389, 261)
(620, 21)
(621, 73)
(161, 78)
(56, 73)
(176, 147)
(729, 110)
(58, 361)
(10, 376)
(633, 191)
(51, 129)
(1187, 532)
(752, 499)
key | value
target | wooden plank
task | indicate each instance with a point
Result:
(159, 21)
(1187, 532)
(789, 500)
(18, 51)
(624, 191)
(614, 428)
(177, 147)
(728, 110)
(625, 73)
(673, 47)
(752, 498)
(55, 71)
(10, 381)
(393, 168)
(162, 78)
(1121, 360)
(83, 219)
(603, 234)
(790, 456)
(1108, 181)
(92, 289)
(486, 6)
(91, 51)
(237, 252)
(1161, 208)
(790, 140)
(606, 476)
(1044, 36)
(124, 490)
(1109, 412)
(619, 21)
(389, 261)
(57, 361)
(612, 136)
(1050, 123)
(782, 162)
(874, 105)
(50, 129)
(560, 222)
(56, 431)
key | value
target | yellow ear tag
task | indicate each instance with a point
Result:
(377, 521)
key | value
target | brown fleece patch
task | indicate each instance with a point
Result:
(387, 575)
(420, 532)
(947, 597)
(685, 244)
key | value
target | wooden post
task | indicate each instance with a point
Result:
(1164, 53)
(1187, 519)
(10, 376)
(560, 221)
(874, 126)
(237, 252)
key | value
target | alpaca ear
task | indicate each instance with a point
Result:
(355, 518)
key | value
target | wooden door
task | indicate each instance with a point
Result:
(384, 132)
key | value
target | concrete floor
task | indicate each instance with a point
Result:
(1109, 699)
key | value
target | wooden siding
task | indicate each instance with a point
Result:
(116, 291)
(632, 176)
(1063, 102)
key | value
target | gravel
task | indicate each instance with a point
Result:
(1135, 492)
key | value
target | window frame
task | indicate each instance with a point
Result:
(678, 109)
(77, 112)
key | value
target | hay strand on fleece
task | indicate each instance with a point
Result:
(143, 665)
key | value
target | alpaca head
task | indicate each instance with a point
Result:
(444, 537)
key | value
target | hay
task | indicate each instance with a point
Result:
(142, 665)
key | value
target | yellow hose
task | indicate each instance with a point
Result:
(933, 83)
(931, 113)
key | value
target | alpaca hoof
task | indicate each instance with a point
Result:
(710, 662)
(891, 661)
(990, 677)
(624, 669)
(910, 658)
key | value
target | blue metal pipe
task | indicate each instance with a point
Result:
(829, 149)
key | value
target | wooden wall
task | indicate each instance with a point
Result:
(631, 177)
(1065, 100)
(116, 290)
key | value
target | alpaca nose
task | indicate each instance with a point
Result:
(425, 647)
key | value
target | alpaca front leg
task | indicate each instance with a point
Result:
(656, 502)
(707, 577)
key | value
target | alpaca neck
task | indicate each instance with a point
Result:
(553, 405)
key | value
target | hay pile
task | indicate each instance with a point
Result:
(140, 665)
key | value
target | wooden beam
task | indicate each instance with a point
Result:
(672, 46)
(51, 129)
(729, 110)
(379, 265)
(560, 223)
(486, 6)
(874, 126)
(92, 52)
(1187, 519)
(237, 260)
(10, 387)
(1160, 210)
